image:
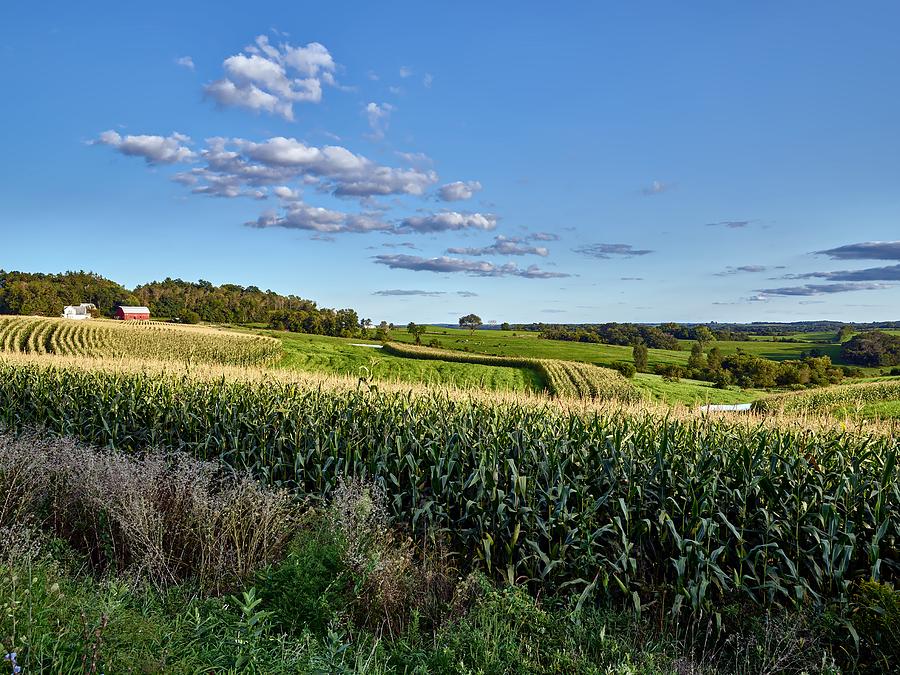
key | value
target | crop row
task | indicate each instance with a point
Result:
(144, 340)
(823, 400)
(562, 378)
(625, 504)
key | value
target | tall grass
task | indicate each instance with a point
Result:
(618, 503)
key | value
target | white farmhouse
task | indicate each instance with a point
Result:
(79, 312)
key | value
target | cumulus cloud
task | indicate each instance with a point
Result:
(656, 188)
(300, 216)
(459, 190)
(269, 78)
(445, 221)
(750, 269)
(822, 289)
(730, 224)
(867, 250)
(234, 166)
(606, 251)
(889, 273)
(501, 246)
(404, 292)
(154, 149)
(477, 268)
(405, 71)
(185, 62)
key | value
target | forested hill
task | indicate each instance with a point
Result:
(47, 294)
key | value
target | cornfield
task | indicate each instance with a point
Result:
(567, 379)
(620, 503)
(138, 339)
(843, 396)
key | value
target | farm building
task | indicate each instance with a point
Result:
(79, 312)
(133, 313)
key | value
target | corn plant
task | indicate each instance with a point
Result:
(621, 501)
(135, 339)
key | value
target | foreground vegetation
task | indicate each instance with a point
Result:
(629, 506)
(134, 339)
(111, 563)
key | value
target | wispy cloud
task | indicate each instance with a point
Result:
(889, 273)
(543, 236)
(822, 289)
(477, 268)
(657, 187)
(405, 292)
(185, 62)
(501, 246)
(731, 224)
(405, 71)
(378, 116)
(748, 269)
(606, 251)
(867, 250)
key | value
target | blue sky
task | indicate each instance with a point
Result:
(417, 161)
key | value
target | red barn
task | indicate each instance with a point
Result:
(133, 313)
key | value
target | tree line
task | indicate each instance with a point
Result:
(174, 299)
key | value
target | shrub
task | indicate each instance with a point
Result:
(627, 369)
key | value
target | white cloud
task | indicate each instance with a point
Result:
(185, 62)
(300, 216)
(502, 246)
(444, 221)
(379, 118)
(476, 268)
(405, 71)
(459, 190)
(154, 149)
(271, 79)
(428, 80)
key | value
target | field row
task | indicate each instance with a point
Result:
(620, 503)
(98, 338)
(569, 379)
(848, 398)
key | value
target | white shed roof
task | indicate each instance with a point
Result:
(134, 310)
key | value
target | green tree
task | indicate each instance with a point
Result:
(416, 331)
(470, 321)
(504, 326)
(696, 361)
(703, 335)
(639, 354)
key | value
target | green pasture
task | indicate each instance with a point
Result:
(339, 356)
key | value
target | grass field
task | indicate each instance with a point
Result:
(520, 343)
(339, 356)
